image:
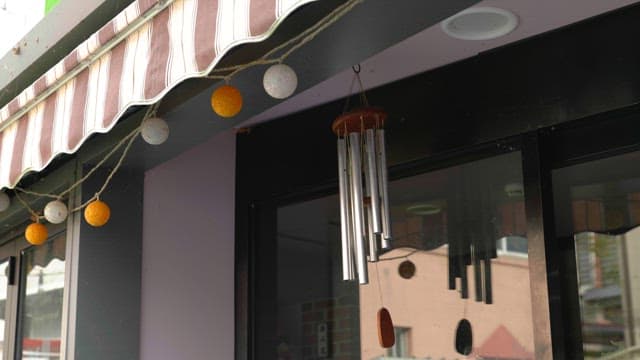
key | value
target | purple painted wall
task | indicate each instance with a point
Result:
(188, 255)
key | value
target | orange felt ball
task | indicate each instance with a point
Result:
(226, 101)
(36, 234)
(97, 213)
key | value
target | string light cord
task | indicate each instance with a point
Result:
(131, 138)
(128, 139)
(298, 41)
(292, 44)
(86, 176)
(36, 217)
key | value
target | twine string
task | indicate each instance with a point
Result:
(379, 286)
(295, 43)
(225, 74)
(128, 140)
(34, 214)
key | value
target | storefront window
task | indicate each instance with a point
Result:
(436, 218)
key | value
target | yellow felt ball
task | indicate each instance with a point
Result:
(226, 101)
(36, 234)
(97, 213)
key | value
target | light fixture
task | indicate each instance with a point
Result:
(364, 199)
(56, 212)
(280, 81)
(480, 23)
(155, 130)
(36, 233)
(97, 213)
(226, 101)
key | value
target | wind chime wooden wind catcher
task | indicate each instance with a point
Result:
(364, 197)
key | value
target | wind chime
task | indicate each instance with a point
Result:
(364, 198)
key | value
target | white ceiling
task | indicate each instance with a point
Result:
(432, 48)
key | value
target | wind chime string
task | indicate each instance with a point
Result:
(464, 310)
(405, 256)
(379, 286)
(356, 75)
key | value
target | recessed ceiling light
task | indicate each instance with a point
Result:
(480, 23)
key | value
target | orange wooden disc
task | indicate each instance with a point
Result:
(386, 336)
(359, 120)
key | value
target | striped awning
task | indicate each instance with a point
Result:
(135, 59)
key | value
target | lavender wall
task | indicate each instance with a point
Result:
(188, 255)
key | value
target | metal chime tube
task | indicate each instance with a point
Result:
(372, 180)
(488, 291)
(345, 218)
(357, 205)
(382, 186)
(477, 269)
(373, 241)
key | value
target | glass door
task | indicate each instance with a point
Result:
(459, 252)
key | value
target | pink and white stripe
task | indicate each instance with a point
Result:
(185, 40)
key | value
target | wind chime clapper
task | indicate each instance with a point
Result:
(364, 198)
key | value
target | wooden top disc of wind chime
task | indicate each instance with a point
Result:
(358, 120)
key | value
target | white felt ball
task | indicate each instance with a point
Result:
(155, 130)
(280, 81)
(55, 212)
(5, 201)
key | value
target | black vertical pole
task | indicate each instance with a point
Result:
(544, 253)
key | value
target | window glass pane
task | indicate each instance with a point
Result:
(4, 277)
(42, 271)
(437, 218)
(517, 244)
(600, 196)
(401, 348)
(597, 205)
(602, 292)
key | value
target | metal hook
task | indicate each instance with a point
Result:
(356, 68)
